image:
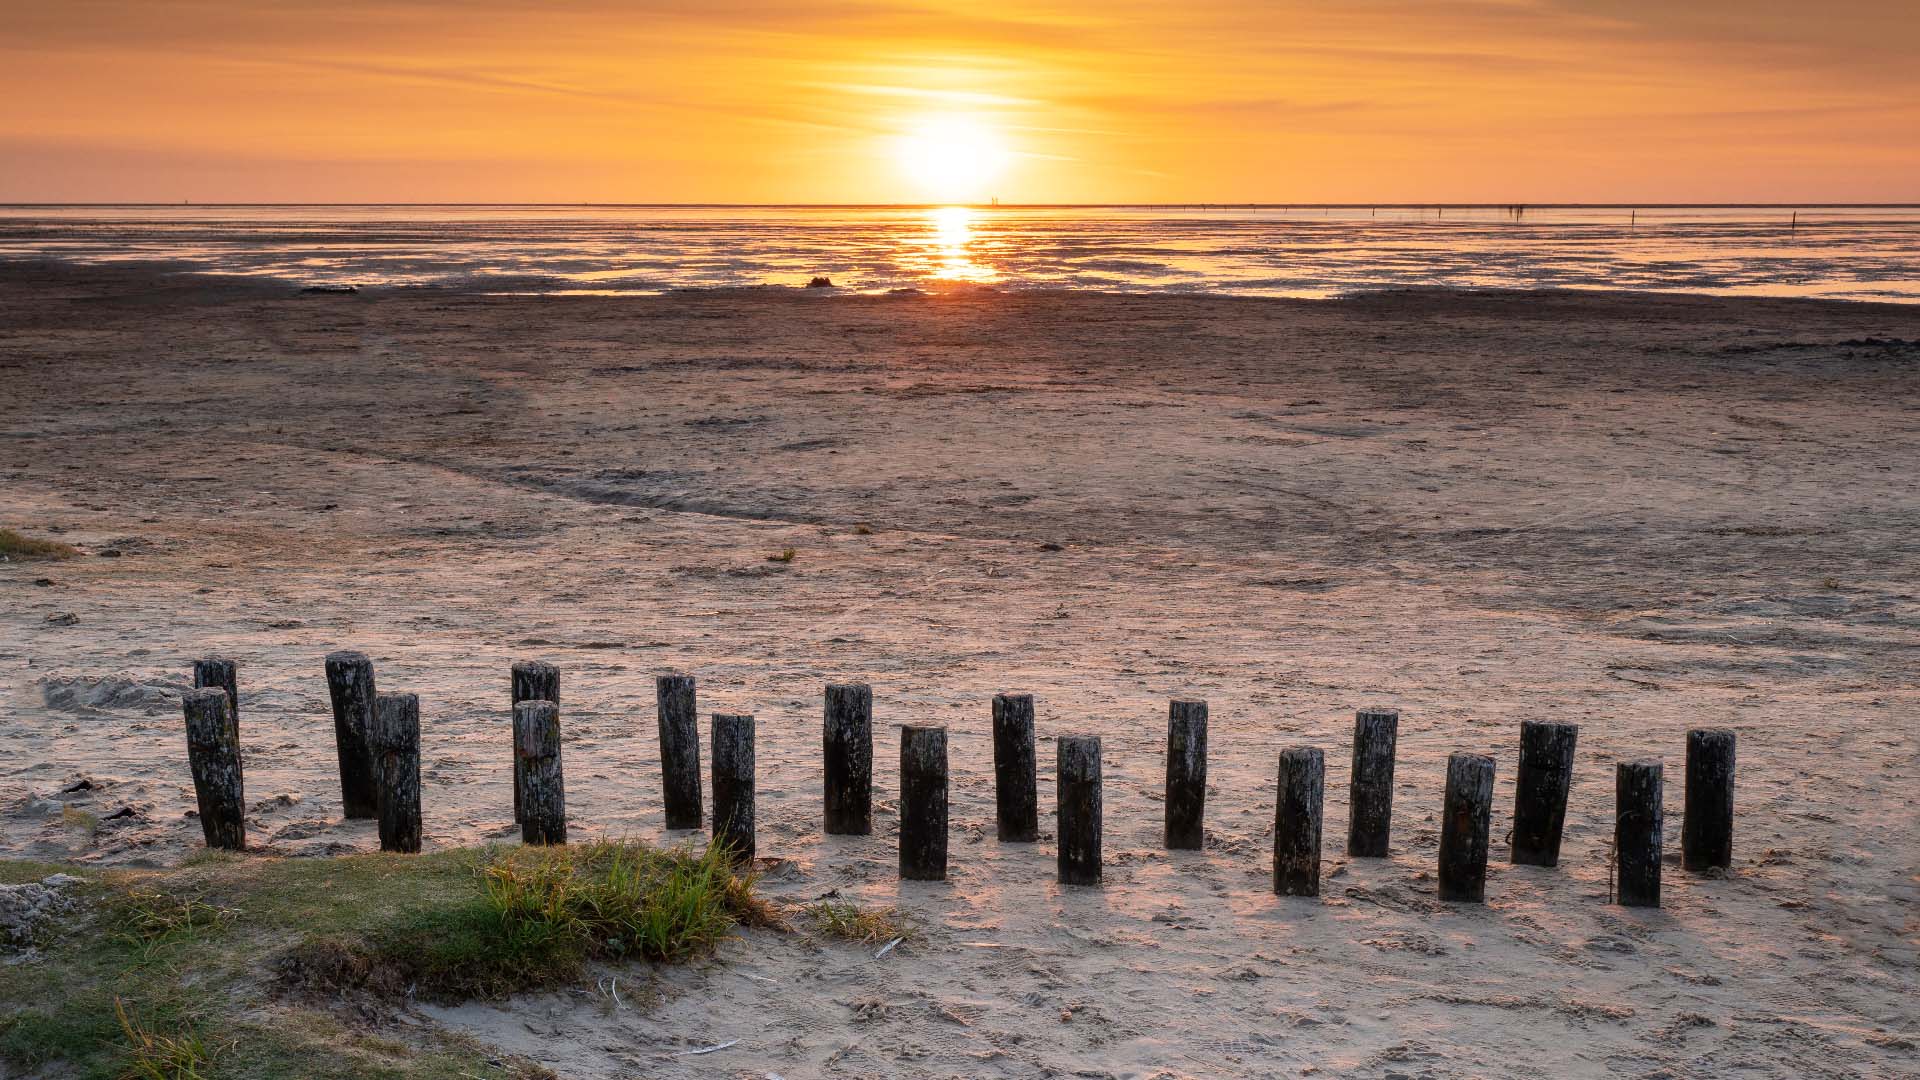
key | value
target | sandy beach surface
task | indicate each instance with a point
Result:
(1636, 513)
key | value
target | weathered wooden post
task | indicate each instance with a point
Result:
(1296, 821)
(1016, 794)
(536, 749)
(923, 803)
(350, 686)
(1638, 818)
(1464, 824)
(849, 764)
(679, 750)
(733, 785)
(1540, 797)
(1077, 802)
(223, 673)
(533, 680)
(213, 753)
(1706, 836)
(395, 739)
(1186, 774)
(1370, 791)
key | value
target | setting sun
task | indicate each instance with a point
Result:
(953, 158)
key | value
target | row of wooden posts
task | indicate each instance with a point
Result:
(377, 736)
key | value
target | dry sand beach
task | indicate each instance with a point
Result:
(1637, 513)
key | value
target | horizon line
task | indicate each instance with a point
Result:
(1196, 205)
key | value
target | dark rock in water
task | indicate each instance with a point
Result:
(820, 283)
(331, 289)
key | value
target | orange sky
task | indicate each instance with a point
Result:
(808, 100)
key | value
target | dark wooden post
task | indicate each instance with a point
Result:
(395, 738)
(923, 803)
(1706, 835)
(849, 765)
(213, 753)
(536, 748)
(350, 685)
(1186, 774)
(1638, 819)
(1296, 821)
(1370, 791)
(533, 680)
(1077, 802)
(679, 750)
(1016, 794)
(1540, 798)
(733, 785)
(1464, 824)
(223, 673)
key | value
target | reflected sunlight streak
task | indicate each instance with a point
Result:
(951, 247)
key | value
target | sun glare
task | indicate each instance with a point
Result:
(953, 158)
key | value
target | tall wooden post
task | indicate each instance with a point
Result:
(923, 803)
(1296, 821)
(1706, 835)
(350, 686)
(1077, 802)
(213, 753)
(1370, 790)
(395, 738)
(1639, 816)
(679, 750)
(1186, 774)
(733, 786)
(533, 680)
(1540, 797)
(543, 798)
(1016, 796)
(849, 759)
(1464, 825)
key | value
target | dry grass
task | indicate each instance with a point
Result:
(15, 547)
(151, 1055)
(151, 920)
(850, 922)
(75, 818)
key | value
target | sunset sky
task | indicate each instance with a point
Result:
(885, 101)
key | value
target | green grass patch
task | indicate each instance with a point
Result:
(235, 965)
(540, 915)
(15, 546)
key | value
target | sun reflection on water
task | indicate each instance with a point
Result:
(951, 246)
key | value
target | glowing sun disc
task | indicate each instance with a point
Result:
(952, 158)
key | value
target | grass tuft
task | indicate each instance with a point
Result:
(151, 1055)
(150, 921)
(850, 922)
(84, 820)
(541, 913)
(15, 546)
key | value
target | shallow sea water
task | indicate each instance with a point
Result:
(1859, 253)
